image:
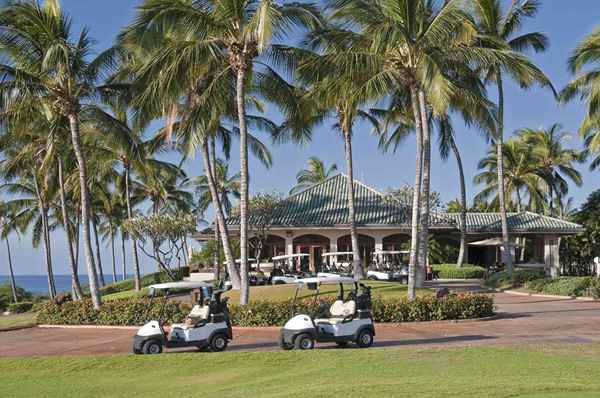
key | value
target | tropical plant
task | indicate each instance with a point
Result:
(315, 173)
(501, 27)
(557, 163)
(49, 65)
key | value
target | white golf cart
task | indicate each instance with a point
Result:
(207, 325)
(284, 269)
(333, 264)
(388, 265)
(349, 319)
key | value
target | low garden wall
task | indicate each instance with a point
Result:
(129, 312)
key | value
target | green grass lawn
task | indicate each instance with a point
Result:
(550, 371)
(11, 321)
(286, 292)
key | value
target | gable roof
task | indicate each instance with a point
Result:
(326, 204)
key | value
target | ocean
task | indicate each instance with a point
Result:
(38, 284)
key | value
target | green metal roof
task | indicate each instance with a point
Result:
(517, 222)
(325, 205)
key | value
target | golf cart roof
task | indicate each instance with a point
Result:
(392, 252)
(286, 256)
(327, 280)
(337, 254)
(180, 285)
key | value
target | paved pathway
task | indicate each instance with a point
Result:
(522, 320)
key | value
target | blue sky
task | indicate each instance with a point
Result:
(565, 22)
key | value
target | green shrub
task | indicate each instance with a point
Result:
(519, 277)
(451, 271)
(266, 313)
(6, 296)
(564, 286)
(116, 313)
(20, 307)
(146, 280)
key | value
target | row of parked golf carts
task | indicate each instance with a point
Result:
(208, 325)
(386, 266)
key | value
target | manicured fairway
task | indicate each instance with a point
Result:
(531, 371)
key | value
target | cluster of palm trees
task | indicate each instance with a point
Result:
(79, 153)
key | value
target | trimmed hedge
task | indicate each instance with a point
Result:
(266, 313)
(451, 271)
(21, 307)
(146, 280)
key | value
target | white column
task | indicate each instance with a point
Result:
(289, 245)
(552, 256)
(378, 243)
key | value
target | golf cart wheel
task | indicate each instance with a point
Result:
(341, 343)
(304, 341)
(284, 346)
(365, 338)
(279, 283)
(218, 342)
(372, 278)
(152, 347)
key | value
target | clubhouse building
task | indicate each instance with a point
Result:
(315, 221)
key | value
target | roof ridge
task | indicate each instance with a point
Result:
(313, 186)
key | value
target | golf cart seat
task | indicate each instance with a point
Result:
(339, 311)
(197, 317)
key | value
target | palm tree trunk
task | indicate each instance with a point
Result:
(136, 260)
(424, 228)
(414, 243)
(101, 271)
(13, 285)
(85, 211)
(507, 257)
(76, 286)
(217, 237)
(463, 252)
(357, 268)
(234, 276)
(112, 252)
(241, 108)
(123, 255)
(47, 249)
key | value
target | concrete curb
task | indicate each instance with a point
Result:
(517, 293)
(13, 328)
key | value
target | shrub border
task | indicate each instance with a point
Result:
(530, 294)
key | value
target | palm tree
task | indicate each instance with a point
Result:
(521, 177)
(419, 46)
(503, 28)
(4, 231)
(234, 33)
(556, 160)
(315, 173)
(228, 186)
(48, 65)
(586, 86)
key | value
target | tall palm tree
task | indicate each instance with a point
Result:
(48, 64)
(228, 186)
(557, 162)
(4, 231)
(521, 177)
(586, 86)
(503, 27)
(418, 45)
(315, 173)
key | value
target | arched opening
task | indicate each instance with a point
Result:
(396, 242)
(314, 245)
(267, 248)
(366, 246)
